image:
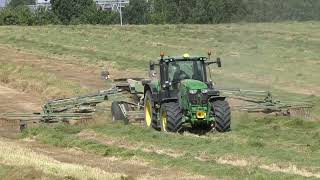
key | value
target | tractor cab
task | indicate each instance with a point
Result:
(171, 72)
(181, 69)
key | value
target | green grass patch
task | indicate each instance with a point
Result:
(268, 141)
(66, 136)
(4, 170)
(274, 140)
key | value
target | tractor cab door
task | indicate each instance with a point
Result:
(199, 71)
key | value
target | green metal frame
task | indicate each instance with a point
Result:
(263, 101)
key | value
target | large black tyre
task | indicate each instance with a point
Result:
(222, 114)
(171, 117)
(150, 113)
(117, 114)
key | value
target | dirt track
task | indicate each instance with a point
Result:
(86, 75)
(12, 100)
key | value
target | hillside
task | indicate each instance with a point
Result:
(43, 62)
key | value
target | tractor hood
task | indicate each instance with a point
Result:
(191, 84)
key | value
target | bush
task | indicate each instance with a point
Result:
(163, 11)
(280, 10)
(43, 17)
(16, 16)
(104, 17)
(72, 10)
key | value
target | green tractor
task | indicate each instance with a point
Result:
(180, 93)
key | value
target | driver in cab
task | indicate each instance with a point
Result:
(179, 74)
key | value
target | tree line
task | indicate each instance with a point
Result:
(162, 12)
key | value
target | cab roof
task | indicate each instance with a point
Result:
(183, 58)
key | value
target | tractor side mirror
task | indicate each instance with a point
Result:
(219, 62)
(152, 68)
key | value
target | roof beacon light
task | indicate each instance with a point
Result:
(161, 55)
(186, 55)
(209, 54)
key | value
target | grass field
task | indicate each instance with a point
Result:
(282, 57)
(268, 55)
(257, 148)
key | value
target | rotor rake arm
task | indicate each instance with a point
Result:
(265, 102)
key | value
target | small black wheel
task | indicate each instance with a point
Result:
(171, 117)
(222, 114)
(117, 114)
(150, 113)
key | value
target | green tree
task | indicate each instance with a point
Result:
(72, 10)
(200, 13)
(137, 12)
(20, 15)
(42, 16)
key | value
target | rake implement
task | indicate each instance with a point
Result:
(265, 102)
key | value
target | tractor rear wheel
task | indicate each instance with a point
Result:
(117, 114)
(150, 113)
(171, 117)
(222, 114)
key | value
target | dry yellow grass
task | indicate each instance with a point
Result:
(14, 155)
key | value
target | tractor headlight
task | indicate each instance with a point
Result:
(204, 91)
(193, 91)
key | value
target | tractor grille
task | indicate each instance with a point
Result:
(198, 98)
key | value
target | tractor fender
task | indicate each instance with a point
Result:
(215, 98)
(167, 100)
(153, 91)
(147, 88)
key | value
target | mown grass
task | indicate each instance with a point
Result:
(276, 139)
(47, 85)
(281, 56)
(25, 172)
(32, 165)
(258, 141)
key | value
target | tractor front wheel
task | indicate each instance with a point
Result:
(171, 117)
(150, 113)
(222, 115)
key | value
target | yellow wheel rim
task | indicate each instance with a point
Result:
(148, 113)
(164, 121)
